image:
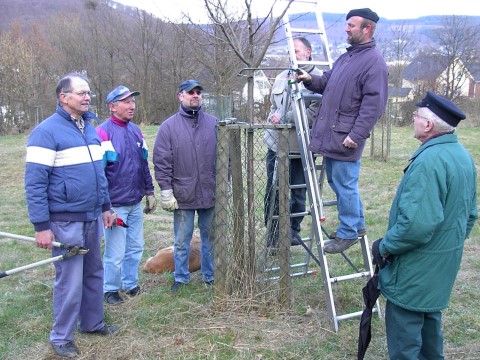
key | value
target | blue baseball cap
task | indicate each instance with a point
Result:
(189, 85)
(119, 93)
(443, 108)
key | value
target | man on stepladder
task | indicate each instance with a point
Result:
(355, 93)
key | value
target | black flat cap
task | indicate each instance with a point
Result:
(365, 13)
(443, 108)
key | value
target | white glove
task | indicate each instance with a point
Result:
(169, 202)
(150, 204)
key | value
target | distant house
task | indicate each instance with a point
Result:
(474, 85)
(400, 95)
(431, 71)
(261, 87)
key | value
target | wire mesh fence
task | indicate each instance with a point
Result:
(249, 264)
(255, 264)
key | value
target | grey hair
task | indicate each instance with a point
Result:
(440, 125)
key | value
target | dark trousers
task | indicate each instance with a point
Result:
(413, 334)
(297, 196)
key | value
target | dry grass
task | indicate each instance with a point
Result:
(159, 324)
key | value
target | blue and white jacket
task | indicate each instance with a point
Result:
(126, 161)
(64, 175)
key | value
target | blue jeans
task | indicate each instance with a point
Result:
(343, 177)
(77, 290)
(183, 222)
(297, 196)
(124, 249)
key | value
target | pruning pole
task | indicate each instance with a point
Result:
(33, 265)
(28, 238)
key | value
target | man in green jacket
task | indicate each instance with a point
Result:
(431, 216)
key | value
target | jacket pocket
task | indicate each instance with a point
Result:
(340, 129)
(184, 190)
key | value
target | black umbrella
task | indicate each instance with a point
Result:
(370, 296)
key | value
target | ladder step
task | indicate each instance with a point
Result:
(314, 62)
(349, 277)
(354, 314)
(306, 31)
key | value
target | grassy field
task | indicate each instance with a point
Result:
(161, 325)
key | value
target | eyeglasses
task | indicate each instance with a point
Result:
(191, 92)
(415, 115)
(82, 94)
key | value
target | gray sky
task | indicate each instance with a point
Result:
(402, 9)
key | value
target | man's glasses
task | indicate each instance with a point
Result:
(191, 92)
(82, 94)
(415, 115)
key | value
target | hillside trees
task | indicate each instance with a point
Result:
(24, 72)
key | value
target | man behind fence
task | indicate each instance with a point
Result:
(281, 112)
(184, 157)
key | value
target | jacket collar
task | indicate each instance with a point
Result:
(360, 47)
(86, 117)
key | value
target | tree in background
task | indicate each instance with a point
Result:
(459, 39)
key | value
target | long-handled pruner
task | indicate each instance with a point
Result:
(72, 250)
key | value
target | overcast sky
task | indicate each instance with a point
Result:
(401, 9)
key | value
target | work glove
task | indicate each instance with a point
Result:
(378, 259)
(169, 202)
(150, 204)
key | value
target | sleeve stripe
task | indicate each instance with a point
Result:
(40, 155)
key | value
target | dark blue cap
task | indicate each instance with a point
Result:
(365, 13)
(443, 108)
(120, 93)
(189, 85)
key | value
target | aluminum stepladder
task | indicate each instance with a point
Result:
(299, 10)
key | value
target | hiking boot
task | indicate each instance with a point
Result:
(296, 239)
(338, 245)
(133, 292)
(113, 298)
(209, 283)
(176, 286)
(361, 233)
(104, 331)
(68, 350)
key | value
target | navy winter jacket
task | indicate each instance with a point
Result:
(184, 158)
(355, 93)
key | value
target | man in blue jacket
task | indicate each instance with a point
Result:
(68, 202)
(431, 216)
(129, 180)
(184, 158)
(355, 93)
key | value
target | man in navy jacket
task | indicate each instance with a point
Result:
(184, 158)
(355, 93)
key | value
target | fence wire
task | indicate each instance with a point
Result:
(246, 266)
(255, 264)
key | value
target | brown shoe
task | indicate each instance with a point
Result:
(338, 245)
(361, 233)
